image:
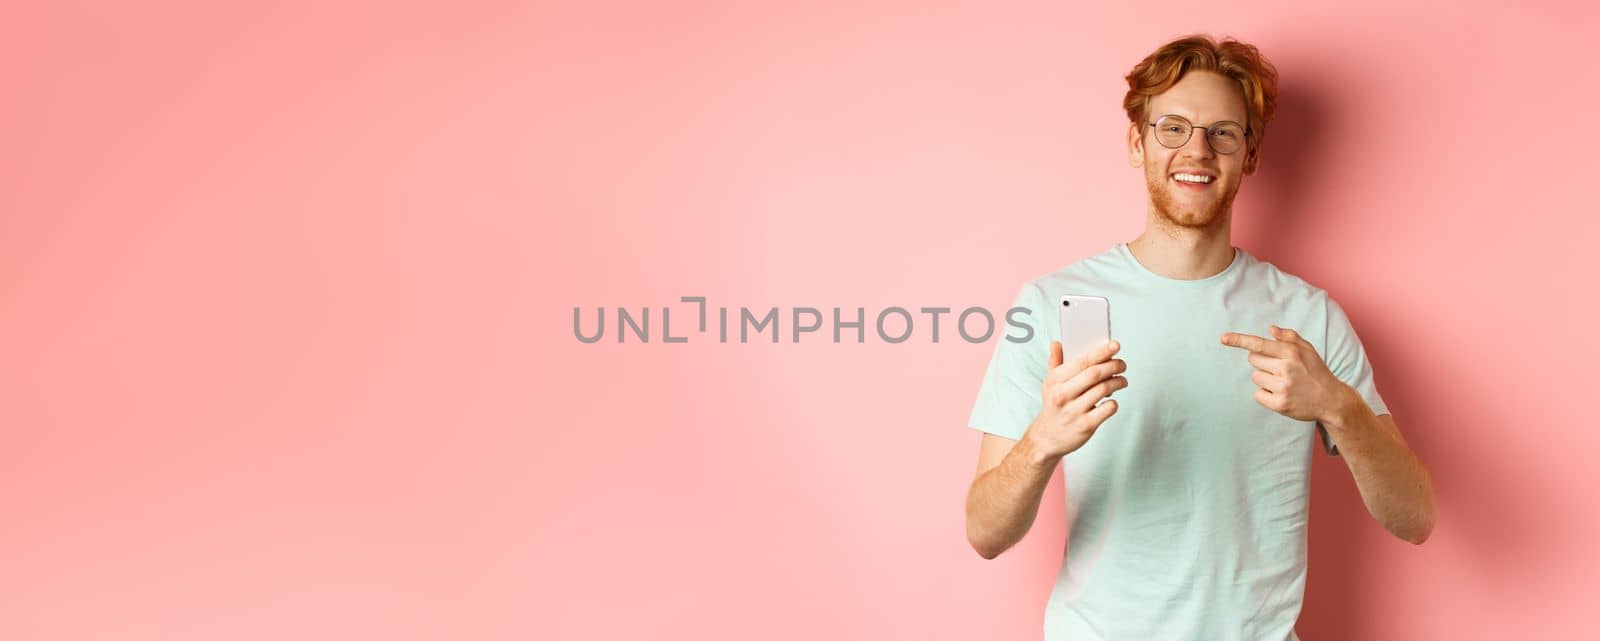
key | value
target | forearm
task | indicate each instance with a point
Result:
(1396, 487)
(1003, 501)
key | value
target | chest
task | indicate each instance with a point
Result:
(1189, 405)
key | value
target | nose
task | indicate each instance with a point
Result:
(1199, 145)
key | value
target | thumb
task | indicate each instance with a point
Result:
(1056, 356)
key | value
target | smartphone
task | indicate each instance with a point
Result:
(1085, 323)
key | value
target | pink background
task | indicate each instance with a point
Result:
(287, 301)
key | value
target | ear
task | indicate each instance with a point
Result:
(1135, 145)
(1252, 155)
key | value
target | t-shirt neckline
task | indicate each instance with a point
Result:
(1145, 273)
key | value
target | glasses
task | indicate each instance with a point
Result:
(1224, 137)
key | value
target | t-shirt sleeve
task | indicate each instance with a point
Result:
(1347, 359)
(1008, 399)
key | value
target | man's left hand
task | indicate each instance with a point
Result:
(1293, 379)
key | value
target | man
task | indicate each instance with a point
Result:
(1187, 494)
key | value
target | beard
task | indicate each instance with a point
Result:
(1208, 215)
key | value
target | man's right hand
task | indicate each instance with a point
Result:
(1069, 415)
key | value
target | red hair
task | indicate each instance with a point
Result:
(1159, 71)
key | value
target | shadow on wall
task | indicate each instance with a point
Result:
(1288, 164)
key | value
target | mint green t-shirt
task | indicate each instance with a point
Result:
(1187, 509)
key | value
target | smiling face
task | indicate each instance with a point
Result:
(1193, 185)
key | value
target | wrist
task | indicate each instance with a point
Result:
(1034, 453)
(1337, 416)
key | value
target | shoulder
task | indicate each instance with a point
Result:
(1289, 289)
(1321, 318)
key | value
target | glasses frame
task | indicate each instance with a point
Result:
(1207, 129)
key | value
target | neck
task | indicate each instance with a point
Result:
(1181, 252)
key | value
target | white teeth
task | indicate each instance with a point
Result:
(1192, 178)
